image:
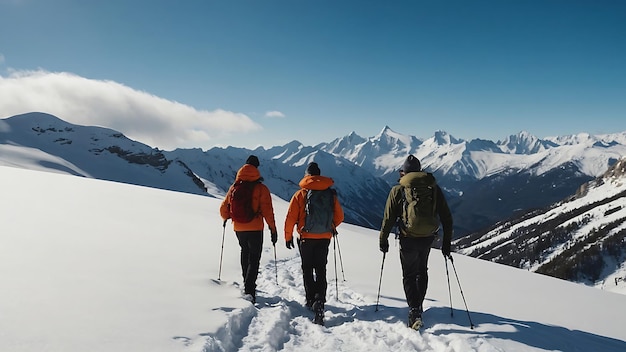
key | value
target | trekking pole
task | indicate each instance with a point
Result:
(335, 256)
(219, 275)
(380, 281)
(445, 258)
(462, 295)
(340, 259)
(275, 264)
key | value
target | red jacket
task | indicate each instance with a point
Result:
(296, 215)
(261, 201)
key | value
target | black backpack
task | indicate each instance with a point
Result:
(419, 206)
(319, 209)
(241, 201)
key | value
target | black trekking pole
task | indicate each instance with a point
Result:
(335, 256)
(445, 258)
(380, 281)
(340, 259)
(219, 275)
(462, 295)
(275, 264)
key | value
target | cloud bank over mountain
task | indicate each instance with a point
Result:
(140, 115)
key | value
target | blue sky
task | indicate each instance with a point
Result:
(278, 70)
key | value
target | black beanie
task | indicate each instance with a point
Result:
(312, 169)
(253, 160)
(411, 164)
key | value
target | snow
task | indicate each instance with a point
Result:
(594, 218)
(36, 159)
(92, 265)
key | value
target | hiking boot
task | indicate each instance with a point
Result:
(250, 297)
(309, 304)
(318, 308)
(415, 318)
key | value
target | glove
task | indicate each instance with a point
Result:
(384, 245)
(289, 244)
(274, 237)
(445, 249)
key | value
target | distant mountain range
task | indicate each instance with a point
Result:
(487, 181)
(484, 181)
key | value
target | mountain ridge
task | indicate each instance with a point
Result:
(581, 238)
(497, 175)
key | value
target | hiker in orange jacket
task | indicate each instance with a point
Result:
(250, 234)
(313, 246)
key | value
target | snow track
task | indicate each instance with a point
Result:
(280, 322)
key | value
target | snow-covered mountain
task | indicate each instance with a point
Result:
(581, 239)
(487, 181)
(45, 142)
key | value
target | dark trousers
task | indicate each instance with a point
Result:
(314, 256)
(414, 253)
(251, 243)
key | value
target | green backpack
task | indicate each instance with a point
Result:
(419, 205)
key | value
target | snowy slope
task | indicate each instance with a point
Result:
(90, 265)
(89, 151)
(582, 238)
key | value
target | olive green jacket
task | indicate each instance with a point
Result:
(393, 208)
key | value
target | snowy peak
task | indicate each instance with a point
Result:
(345, 145)
(575, 139)
(41, 129)
(482, 145)
(444, 138)
(525, 143)
(390, 140)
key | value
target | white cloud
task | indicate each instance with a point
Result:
(274, 114)
(139, 115)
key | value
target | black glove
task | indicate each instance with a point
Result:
(289, 244)
(445, 249)
(384, 245)
(274, 237)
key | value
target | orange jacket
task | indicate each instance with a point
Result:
(296, 215)
(261, 201)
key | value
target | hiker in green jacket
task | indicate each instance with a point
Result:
(417, 206)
